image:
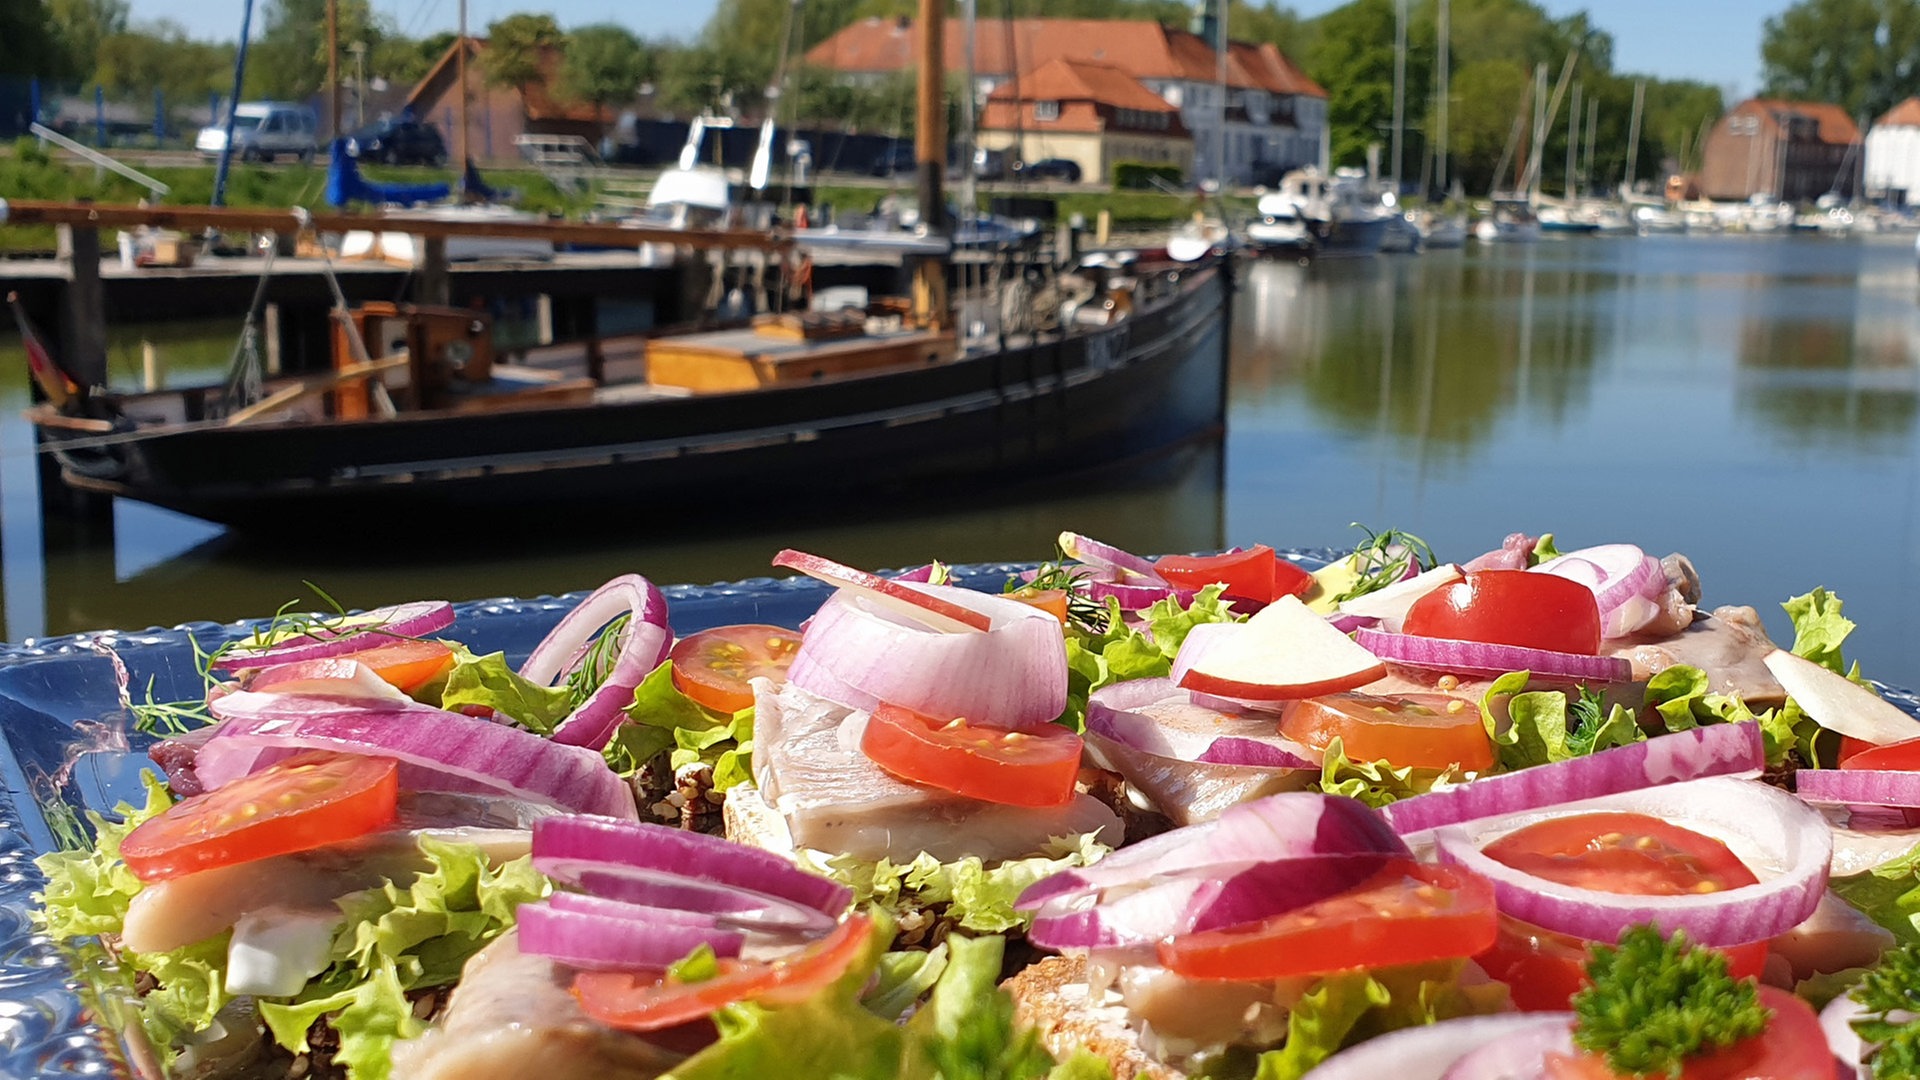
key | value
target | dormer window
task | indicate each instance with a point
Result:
(1046, 110)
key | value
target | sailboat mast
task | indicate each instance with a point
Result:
(1633, 133)
(333, 65)
(1573, 144)
(460, 148)
(1445, 61)
(932, 306)
(1593, 123)
(969, 21)
(1399, 87)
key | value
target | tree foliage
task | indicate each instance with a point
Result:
(605, 64)
(28, 45)
(1861, 54)
(81, 26)
(517, 46)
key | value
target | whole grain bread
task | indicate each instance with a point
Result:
(1051, 997)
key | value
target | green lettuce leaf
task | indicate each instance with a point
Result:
(727, 748)
(1378, 783)
(371, 1016)
(488, 682)
(1889, 894)
(1123, 652)
(1679, 695)
(1819, 629)
(665, 719)
(1543, 727)
(1544, 549)
(88, 889)
(1353, 1006)
(904, 977)
(971, 895)
(967, 1029)
(192, 989)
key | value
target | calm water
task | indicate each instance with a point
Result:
(1749, 401)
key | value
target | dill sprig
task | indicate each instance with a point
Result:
(1888, 992)
(597, 663)
(1385, 558)
(1083, 611)
(1656, 1001)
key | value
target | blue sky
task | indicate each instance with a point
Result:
(1717, 41)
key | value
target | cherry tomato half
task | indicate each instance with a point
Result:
(1792, 1048)
(1543, 969)
(1409, 913)
(1902, 756)
(408, 663)
(648, 1001)
(1018, 768)
(1427, 731)
(1255, 574)
(308, 801)
(1510, 607)
(712, 667)
(1052, 601)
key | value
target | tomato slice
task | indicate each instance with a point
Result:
(1635, 854)
(1425, 731)
(1409, 913)
(1018, 768)
(712, 667)
(1051, 601)
(308, 801)
(648, 1000)
(1544, 969)
(1900, 756)
(1256, 574)
(1510, 607)
(1792, 1048)
(408, 663)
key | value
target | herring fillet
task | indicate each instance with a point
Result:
(513, 1018)
(835, 799)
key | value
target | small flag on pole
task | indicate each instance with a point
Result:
(40, 363)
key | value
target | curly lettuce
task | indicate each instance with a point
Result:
(89, 888)
(967, 892)
(663, 719)
(1379, 783)
(1352, 1006)
(1144, 650)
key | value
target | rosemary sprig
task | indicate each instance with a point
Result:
(1385, 558)
(1083, 610)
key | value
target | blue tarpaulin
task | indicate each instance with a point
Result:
(345, 184)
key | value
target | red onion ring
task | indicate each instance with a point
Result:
(1715, 750)
(1106, 556)
(739, 909)
(1836, 1021)
(599, 941)
(1427, 1053)
(1858, 787)
(1480, 658)
(1102, 584)
(437, 751)
(1624, 580)
(1517, 1053)
(1347, 624)
(1013, 675)
(562, 846)
(1789, 838)
(646, 642)
(369, 629)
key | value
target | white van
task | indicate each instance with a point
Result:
(262, 131)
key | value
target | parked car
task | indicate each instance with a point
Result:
(262, 131)
(398, 140)
(1052, 168)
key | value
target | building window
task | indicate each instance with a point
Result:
(1046, 110)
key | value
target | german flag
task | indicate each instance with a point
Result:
(51, 378)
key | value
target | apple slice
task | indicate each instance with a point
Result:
(925, 608)
(1390, 604)
(1285, 651)
(1837, 703)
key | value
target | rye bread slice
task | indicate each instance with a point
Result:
(1051, 997)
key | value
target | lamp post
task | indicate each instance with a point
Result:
(359, 51)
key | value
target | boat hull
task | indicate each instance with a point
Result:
(1135, 389)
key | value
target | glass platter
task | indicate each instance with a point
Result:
(60, 704)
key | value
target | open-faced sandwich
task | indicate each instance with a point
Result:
(1529, 814)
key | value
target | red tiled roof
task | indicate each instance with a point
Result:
(1905, 114)
(536, 96)
(1061, 79)
(1832, 125)
(1142, 49)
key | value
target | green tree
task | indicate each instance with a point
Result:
(517, 47)
(1486, 97)
(605, 64)
(161, 55)
(27, 42)
(1861, 54)
(81, 26)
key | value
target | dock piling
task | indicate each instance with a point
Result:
(153, 376)
(83, 317)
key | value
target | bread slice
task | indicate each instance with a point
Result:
(1051, 997)
(749, 820)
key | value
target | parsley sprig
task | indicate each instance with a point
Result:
(1656, 1001)
(1385, 558)
(1888, 993)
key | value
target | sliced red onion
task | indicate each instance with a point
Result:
(563, 846)
(1199, 642)
(1293, 825)
(1479, 658)
(1113, 712)
(1216, 898)
(1785, 842)
(437, 751)
(369, 629)
(1137, 597)
(921, 574)
(1858, 787)
(738, 909)
(599, 941)
(1517, 1055)
(1232, 750)
(1427, 1053)
(341, 678)
(644, 644)
(1836, 1021)
(1014, 675)
(1625, 580)
(1714, 750)
(1347, 624)
(1094, 553)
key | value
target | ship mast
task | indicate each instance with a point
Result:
(333, 68)
(932, 307)
(460, 148)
